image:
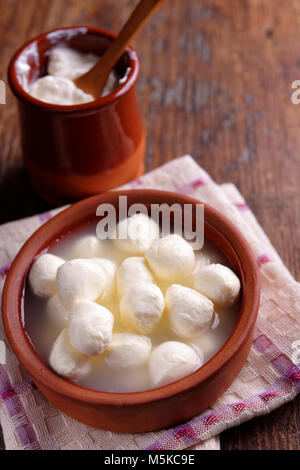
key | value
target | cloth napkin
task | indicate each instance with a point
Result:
(269, 378)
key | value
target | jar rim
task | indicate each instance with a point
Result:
(103, 101)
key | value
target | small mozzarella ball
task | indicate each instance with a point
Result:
(90, 327)
(56, 312)
(88, 246)
(171, 258)
(109, 268)
(79, 279)
(43, 274)
(136, 234)
(219, 283)
(171, 361)
(189, 312)
(131, 271)
(127, 350)
(67, 361)
(141, 307)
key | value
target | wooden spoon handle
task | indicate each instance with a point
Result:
(95, 79)
(142, 13)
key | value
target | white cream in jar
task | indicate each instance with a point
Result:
(111, 322)
(64, 66)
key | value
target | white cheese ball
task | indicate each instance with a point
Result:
(88, 246)
(67, 361)
(138, 233)
(131, 271)
(128, 350)
(56, 312)
(90, 327)
(42, 274)
(142, 306)
(189, 312)
(109, 268)
(171, 361)
(219, 283)
(171, 258)
(79, 279)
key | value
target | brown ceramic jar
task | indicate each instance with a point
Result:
(76, 151)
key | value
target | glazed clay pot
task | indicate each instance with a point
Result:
(77, 151)
(160, 407)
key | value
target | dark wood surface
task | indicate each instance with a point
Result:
(215, 82)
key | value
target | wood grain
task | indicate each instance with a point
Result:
(215, 82)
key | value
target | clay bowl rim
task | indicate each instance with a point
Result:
(71, 218)
(101, 102)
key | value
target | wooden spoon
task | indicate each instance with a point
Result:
(95, 79)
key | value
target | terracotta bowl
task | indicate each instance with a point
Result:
(72, 152)
(160, 407)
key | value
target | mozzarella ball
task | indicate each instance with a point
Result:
(219, 283)
(131, 271)
(127, 350)
(56, 312)
(88, 246)
(42, 274)
(189, 312)
(136, 234)
(79, 279)
(171, 361)
(109, 268)
(141, 307)
(67, 361)
(171, 258)
(90, 327)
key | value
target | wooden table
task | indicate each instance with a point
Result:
(215, 82)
